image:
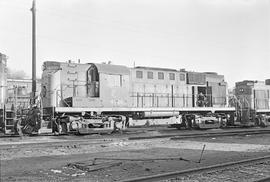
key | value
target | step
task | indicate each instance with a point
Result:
(9, 132)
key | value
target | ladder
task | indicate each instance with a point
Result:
(9, 118)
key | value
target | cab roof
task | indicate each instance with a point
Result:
(111, 69)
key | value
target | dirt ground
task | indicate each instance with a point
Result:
(48, 158)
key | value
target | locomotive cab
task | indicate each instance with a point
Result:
(107, 86)
(92, 82)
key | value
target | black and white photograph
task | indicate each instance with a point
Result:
(135, 90)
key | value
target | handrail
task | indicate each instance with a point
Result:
(59, 96)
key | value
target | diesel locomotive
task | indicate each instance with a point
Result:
(91, 97)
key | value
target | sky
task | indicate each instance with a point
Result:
(230, 37)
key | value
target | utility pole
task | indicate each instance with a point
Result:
(33, 9)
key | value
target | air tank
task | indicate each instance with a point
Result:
(3, 79)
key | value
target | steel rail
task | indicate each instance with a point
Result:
(170, 175)
(187, 135)
(266, 179)
(63, 143)
(223, 134)
(208, 134)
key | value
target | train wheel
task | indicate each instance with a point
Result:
(257, 122)
(64, 129)
(223, 124)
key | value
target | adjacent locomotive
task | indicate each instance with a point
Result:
(141, 95)
(254, 101)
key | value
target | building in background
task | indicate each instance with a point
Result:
(19, 92)
(3, 79)
(14, 92)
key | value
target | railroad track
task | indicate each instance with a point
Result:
(249, 170)
(208, 134)
(174, 136)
